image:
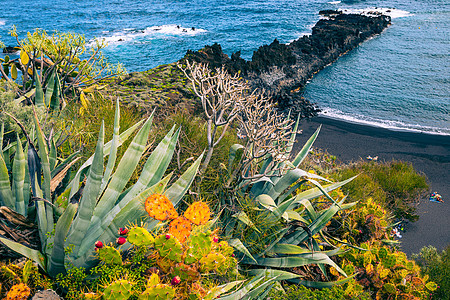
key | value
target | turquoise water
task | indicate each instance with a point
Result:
(399, 79)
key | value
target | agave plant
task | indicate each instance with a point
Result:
(283, 225)
(97, 200)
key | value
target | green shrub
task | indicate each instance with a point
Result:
(395, 185)
(437, 266)
(295, 292)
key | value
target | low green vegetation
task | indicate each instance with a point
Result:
(145, 216)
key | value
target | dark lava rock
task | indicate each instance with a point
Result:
(281, 70)
(9, 49)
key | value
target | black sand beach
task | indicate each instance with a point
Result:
(428, 153)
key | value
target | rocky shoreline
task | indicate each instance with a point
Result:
(282, 70)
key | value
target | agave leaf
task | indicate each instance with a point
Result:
(315, 192)
(155, 165)
(242, 292)
(243, 217)
(74, 184)
(56, 262)
(309, 208)
(263, 288)
(43, 155)
(114, 146)
(54, 100)
(221, 289)
(290, 191)
(321, 284)
(280, 234)
(271, 273)
(289, 249)
(316, 225)
(91, 192)
(293, 215)
(304, 152)
(52, 158)
(258, 186)
(177, 190)
(27, 184)
(2, 132)
(32, 254)
(18, 172)
(34, 168)
(49, 88)
(5, 190)
(63, 164)
(123, 173)
(237, 244)
(39, 95)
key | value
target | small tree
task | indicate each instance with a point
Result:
(222, 96)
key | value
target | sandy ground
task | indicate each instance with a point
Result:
(429, 154)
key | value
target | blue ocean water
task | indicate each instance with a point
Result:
(399, 79)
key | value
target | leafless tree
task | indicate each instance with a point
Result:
(222, 96)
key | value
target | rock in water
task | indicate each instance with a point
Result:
(283, 69)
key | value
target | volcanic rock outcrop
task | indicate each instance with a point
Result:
(281, 70)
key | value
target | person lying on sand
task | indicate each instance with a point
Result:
(436, 197)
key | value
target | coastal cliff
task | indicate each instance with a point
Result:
(281, 70)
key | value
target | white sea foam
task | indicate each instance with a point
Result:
(371, 11)
(334, 2)
(154, 32)
(392, 125)
(2, 22)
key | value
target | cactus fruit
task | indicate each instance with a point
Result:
(180, 228)
(169, 248)
(199, 246)
(110, 255)
(18, 292)
(118, 290)
(175, 280)
(139, 236)
(121, 240)
(186, 272)
(98, 244)
(123, 231)
(198, 213)
(160, 208)
(212, 262)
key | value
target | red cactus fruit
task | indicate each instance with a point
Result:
(176, 280)
(121, 240)
(123, 231)
(168, 236)
(216, 239)
(232, 254)
(98, 244)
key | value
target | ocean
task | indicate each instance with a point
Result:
(398, 80)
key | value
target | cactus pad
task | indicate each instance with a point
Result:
(390, 288)
(110, 255)
(180, 228)
(213, 261)
(169, 248)
(199, 246)
(119, 290)
(186, 272)
(160, 208)
(158, 292)
(389, 261)
(198, 213)
(18, 291)
(139, 236)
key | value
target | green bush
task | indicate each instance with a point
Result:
(295, 292)
(437, 266)
(395, 185)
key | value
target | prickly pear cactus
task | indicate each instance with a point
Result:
(169, 247)
(198, 246)
(110, 255)
(389, 261)
(213, 261)
(139, 236)
(158, 292)
(18, 292)
(118, 290)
